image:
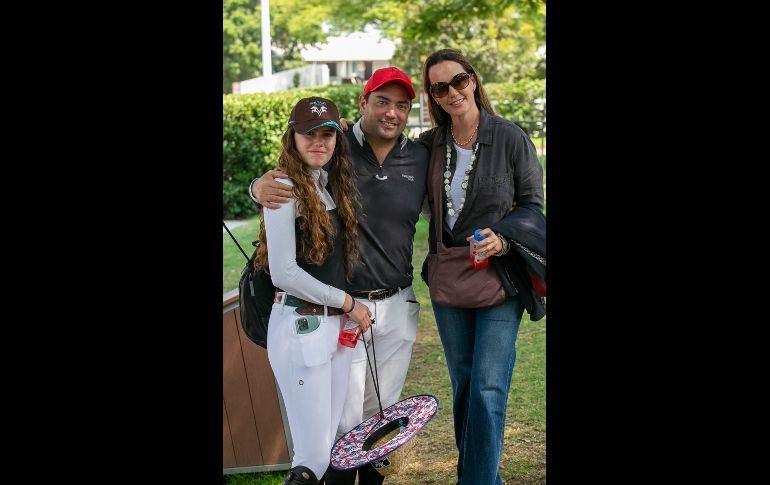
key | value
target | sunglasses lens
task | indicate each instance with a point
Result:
(458, 82)
(439, 90)
(461, 81)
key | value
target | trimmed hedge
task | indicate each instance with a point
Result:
(254, 123)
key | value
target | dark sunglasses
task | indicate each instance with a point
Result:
(460, 81)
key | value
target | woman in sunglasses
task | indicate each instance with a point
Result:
(484, 174)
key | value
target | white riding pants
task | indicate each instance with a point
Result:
(312, 372)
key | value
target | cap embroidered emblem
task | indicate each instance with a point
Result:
(318, 107)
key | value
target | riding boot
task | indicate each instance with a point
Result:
(300, 475)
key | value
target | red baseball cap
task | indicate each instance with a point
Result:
(386, 75)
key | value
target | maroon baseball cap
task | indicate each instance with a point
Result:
(386, 75)
(314, 112)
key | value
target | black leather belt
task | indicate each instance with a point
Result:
(375, 295)
(305, 307)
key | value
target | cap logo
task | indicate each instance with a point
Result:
(318, 107)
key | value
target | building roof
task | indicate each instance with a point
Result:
(358, 46)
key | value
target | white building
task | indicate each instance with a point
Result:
(308, 75)
(350, 58)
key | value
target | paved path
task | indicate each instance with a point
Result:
(232, 224)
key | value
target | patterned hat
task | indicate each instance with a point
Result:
(311, 113)
(364, 443)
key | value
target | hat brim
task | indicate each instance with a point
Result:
(401, 82)
(353, 450)
(307, 127)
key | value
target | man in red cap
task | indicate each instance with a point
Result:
(392, 179)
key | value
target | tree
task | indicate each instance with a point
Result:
(293, 23)
(503, 48)
(241, 41)
(501, 38)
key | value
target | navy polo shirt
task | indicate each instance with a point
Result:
(392, 196)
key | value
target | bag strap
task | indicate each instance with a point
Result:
(236, 241)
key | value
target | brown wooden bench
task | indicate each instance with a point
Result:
(255, 432)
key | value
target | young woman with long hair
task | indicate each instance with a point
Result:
(310, 247)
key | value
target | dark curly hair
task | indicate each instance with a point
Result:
(317, 243)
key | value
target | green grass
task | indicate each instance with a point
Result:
(523, 458)
(265, 478)
(232, 258)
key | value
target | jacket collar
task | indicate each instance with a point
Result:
(485, 129)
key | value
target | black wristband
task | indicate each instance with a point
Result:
(251, 195)
(351, 306)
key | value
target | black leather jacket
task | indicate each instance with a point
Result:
(506, 175)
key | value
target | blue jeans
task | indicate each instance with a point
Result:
(480, 350)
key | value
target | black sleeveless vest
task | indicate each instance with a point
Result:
(332, 271)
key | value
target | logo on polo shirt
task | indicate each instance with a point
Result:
(408, 177)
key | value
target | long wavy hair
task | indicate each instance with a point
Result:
(317, 242)
(438, 116)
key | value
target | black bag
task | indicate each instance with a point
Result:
(255, 295)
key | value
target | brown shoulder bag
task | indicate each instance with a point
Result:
(451, 278)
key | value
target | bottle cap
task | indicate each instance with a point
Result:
(476, 235)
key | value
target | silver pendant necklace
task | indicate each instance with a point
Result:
(447, 183)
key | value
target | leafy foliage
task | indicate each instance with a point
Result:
(293, 23)
(241, 41)
(522, 100)
(500, 38)
(503, 39)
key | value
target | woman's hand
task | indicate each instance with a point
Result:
(490, 246)
(360, 313)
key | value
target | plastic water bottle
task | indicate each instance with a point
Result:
(476, 262)
(349, 333)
